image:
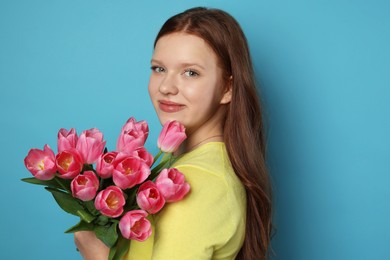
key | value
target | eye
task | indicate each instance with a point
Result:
(191, 73)
(157, 69)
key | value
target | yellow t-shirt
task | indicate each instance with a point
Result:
(209, 223)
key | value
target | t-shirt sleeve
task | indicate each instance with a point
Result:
(196, 226)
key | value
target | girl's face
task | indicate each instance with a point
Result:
(186, 82)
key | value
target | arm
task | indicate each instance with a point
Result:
(90, 247)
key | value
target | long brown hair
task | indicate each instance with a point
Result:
(243, 128)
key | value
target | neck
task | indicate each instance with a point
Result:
(213, 138)
(209, 131)
(191, 144)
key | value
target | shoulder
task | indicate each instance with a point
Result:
(209, 167)
(209, 158)
(213, 182)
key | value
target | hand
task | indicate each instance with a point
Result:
(90, 247)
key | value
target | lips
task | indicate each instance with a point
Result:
(169, 106)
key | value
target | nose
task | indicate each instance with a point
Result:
(168, 85)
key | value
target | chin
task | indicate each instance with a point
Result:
(164, 118)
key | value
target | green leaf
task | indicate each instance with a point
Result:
(108, 234)
(53, 183)
(90, 206)
(33, 180)
(81, 226)
(112, 253)
(64, 183)
(131, 198)
(56, 183)
(121, 248)
(66, 201)
(102, 220)
(84, 215)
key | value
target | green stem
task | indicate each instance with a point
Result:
(156, 157)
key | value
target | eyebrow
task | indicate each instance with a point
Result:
(184, 64)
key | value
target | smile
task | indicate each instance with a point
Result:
(169, 107)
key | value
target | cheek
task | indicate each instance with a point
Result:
(205, 97)
(152, 89)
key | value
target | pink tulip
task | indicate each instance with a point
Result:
(66, 140)
(144, 155)
(85, 186)
(132, 124)
(172, 185)
(129, 171)
(149, 197)
(69, 164)
(110, 201)
(41, 163)
(90, 145)
(105, 166)
(171, 136)
(134, 225)
(132, 136)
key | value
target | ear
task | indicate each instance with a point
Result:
(227, 96)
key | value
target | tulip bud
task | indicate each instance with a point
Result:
(172, 185)
(129, 171)
(171, 136)
(66, 140)
(90, 145)
(149, 198)
(110, 201)
(104, 165)
(41, 163)
(69, 164)
(144, 155)
(135, 226)
(84, 186)
(132, 136)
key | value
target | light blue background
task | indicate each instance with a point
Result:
(324, 68)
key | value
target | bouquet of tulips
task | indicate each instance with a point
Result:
(111, 191)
